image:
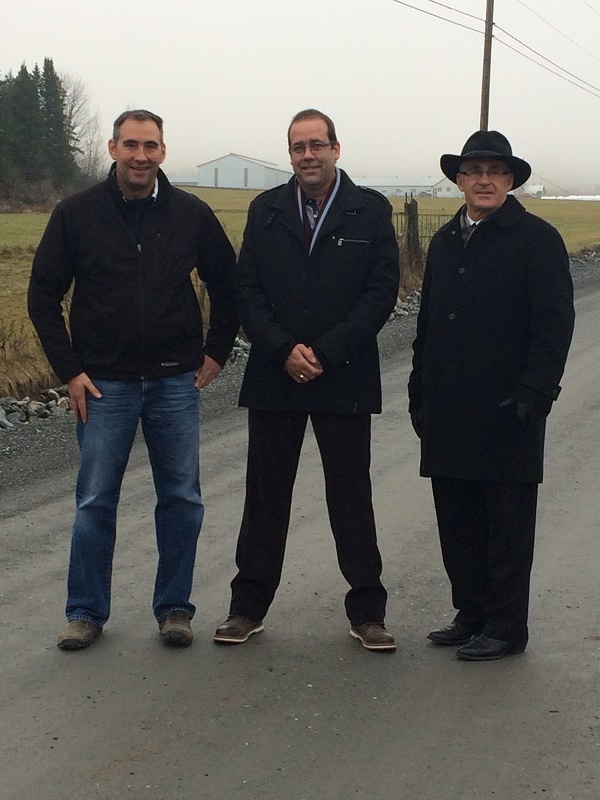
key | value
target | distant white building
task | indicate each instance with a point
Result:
(445, 188)
(531, 190)
(398, 187)
(240, 172)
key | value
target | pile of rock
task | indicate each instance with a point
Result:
(54, 402)
(241, 348)
(14, 412)
(408, 307)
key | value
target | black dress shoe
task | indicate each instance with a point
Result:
(484, 648)
(454, 634)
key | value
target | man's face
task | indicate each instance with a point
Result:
(315, 171)
(139, 152)
(484, 192)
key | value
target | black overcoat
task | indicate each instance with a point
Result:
(335, 300)
(496, 321)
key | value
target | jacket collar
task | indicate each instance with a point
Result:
(164, 186)
(509, 213)
(346, 203)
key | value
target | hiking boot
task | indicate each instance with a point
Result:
(78, 634)
(374, 636)
(236, 630)
(175, 629)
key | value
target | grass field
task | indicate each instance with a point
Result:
(22, 363)
(577, 220)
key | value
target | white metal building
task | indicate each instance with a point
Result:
(446, 188)
(531, 190)
(240, 172)
(398, 187)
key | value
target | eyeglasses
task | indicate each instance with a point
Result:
(315, 146)
(491, 172)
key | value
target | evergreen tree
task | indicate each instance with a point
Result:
(7, 134)
(38, 134)
(27, 155)
(58, 153)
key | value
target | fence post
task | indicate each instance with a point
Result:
(413, 245)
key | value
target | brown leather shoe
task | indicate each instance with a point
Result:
(237, 630)
(175, 629)
(78, 634)
(374, 636)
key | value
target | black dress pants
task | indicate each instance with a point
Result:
(275, 442)
(487, 533)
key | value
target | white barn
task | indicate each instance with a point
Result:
(445, 188)
(240, 172)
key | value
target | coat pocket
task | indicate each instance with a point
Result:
(345, 241)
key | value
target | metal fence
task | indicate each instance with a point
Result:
(428, 225)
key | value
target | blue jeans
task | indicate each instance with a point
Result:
(169, 411)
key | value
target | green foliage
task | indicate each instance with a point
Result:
(37, 158)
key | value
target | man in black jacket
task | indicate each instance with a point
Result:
(134, 351)
(317, 278)
(493, 332)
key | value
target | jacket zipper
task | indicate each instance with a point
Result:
(341, 241)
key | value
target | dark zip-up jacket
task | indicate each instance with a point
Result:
(134, 312)
(335, 300)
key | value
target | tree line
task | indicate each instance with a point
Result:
(49, 136)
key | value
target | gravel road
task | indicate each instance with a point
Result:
(302, 711)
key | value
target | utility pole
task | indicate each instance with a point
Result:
(487, 66)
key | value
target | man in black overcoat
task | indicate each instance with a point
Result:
(318, 277)
(493, 332)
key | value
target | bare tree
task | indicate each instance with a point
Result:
(84, 127)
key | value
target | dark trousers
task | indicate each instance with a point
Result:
(275, 442)
(487, 533)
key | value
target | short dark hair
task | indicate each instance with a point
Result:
(312, 113)
(140, 115)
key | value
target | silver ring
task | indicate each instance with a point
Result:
(301, 376)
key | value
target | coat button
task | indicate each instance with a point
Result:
(451, 316)
(305, 312)
(461, 270)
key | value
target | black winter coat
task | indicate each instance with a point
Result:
(335, 300)
(495, 322)
(134, 313)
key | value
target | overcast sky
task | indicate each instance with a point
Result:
(401, 86)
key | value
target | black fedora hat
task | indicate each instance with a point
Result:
(486, 144)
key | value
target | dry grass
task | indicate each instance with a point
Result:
(23, 366)
(577, 220)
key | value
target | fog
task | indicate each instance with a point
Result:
(402, 86)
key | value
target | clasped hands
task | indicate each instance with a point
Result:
(302, 365)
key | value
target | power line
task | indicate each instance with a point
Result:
(543, 66)
(437, 16)
(564, 35)
(545, 180)
(566, 71)
(456, 10)
(595, 93)
(592, 7)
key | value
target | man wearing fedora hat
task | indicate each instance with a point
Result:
(493, 332)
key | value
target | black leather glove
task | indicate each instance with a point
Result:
(524, 411)
(416, 420)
